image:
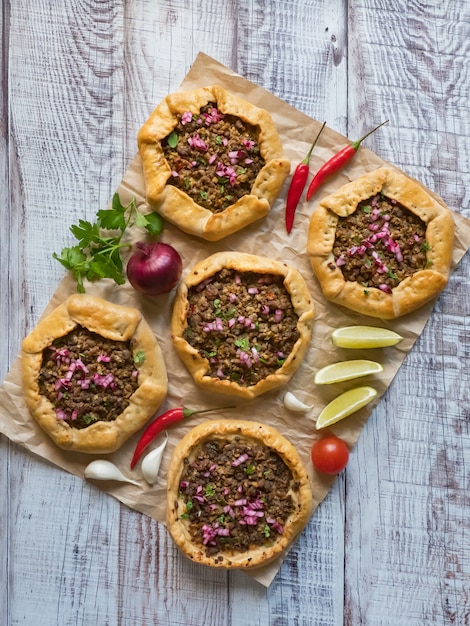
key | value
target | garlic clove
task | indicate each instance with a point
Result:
(294, 404)
(105, 470)
(151, 462)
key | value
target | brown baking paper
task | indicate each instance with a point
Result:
(269, 237)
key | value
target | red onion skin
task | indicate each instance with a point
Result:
(154, 269)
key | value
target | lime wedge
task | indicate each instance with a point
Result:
(365, 337)
(346, 370)
(345, 404)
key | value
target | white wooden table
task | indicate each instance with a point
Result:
(389, 544)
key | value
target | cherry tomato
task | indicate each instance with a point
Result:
(330, 455)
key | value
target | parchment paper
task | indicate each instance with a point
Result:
(267, 237)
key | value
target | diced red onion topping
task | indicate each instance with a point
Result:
(241, 459)
(186, 117)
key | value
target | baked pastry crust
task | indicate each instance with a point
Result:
(198, 365)
(112, 321)
(228, 430)
(413, 291)
(174, 204)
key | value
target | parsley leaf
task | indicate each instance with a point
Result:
(152, 222)
(98, 251)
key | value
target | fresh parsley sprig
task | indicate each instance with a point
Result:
(98, 252)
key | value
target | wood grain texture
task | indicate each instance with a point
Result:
(5, 288)
(63, 541)
(388, 546)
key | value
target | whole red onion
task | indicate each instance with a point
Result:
(154, 268)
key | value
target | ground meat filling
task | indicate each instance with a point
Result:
(213, 157)
(237, 495)
(243, 323)
(380, 244)
(88, 378)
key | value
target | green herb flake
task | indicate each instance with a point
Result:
(209, 490)
(209, 355)
(139, 357)
(367, 209)
(228, 314)
(266, 531)
(249, 470)
(243, 343)
(172, 139)
(89, 419)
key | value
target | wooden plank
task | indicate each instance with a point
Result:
(66, 107)
(298, 54)
(406, 519)
(6, 321)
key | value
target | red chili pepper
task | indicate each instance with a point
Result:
(297, 185)
(336, 162)
(160, 423)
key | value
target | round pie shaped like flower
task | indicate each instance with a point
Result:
(83, 361)
(213, 163)
(238, 494)
(242, 323)
(381, 245)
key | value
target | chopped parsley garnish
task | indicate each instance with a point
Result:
(209, 490)
(172, 139)
(243, 343)
(139, 357)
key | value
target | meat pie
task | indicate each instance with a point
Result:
(238, 494)
(381, 245)
(93, 374)
(213, 163)
(242, 323)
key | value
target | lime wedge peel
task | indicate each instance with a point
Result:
(346, 370)
(365, 337)
(344, 405)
